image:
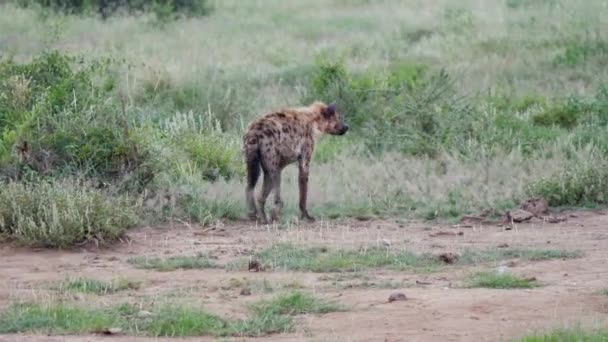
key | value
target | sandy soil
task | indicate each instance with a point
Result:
(438, 307)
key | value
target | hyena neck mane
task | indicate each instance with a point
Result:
(311, 116)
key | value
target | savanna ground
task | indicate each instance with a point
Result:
(122, 198)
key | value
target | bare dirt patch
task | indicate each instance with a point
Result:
(438, 306)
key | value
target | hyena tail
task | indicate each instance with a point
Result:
(253, 161)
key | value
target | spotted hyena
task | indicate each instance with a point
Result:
(281, 138)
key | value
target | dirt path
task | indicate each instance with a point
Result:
(438, 307)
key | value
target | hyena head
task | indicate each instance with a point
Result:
(330, 122)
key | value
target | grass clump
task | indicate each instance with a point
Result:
(581, 184)
(163, 9)
(274, 315)
(56, 318)
(173, 263)
(321, 259)
(295, 303)
(98, 287)
(266, 317)
(493, 255)
(175, 321)
(568, 335)
(494, 280)
(62, 214)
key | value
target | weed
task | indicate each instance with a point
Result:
(97, 286)
(294, 303)
(566, 335)
(62, 214)
(172, 263)
(469, 257)
(269, 316)
(321, 259)
(56, 318)
(494, 280)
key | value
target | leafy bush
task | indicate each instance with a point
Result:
(164, 9)
(61, 214)
(409, 108)
(576, 184)
(60, 117)
(566, 115)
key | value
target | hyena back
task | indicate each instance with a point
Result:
(281, 138)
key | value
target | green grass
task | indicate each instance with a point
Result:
(321, 259)
(568, 335)
(295, 303)
(172, 263)
(287, 256)
(57, 318)
(469, 256)
(493, 280)
(95, 286)
(165, 320)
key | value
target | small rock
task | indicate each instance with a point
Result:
(503, 270)
(396, 297)
(245, 291)
(144, 314)
(112, 331)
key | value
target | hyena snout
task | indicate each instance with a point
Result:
(341, 128)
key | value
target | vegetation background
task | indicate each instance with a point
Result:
(118, 113)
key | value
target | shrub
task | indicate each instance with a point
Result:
(576, 184)
(163, 9)
(62, 214)
(408, 108)
(565, 115)
(64, 117)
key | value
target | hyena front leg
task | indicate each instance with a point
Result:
(303, 167)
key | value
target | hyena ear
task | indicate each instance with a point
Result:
(329, 110)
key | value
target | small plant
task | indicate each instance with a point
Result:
(321, 259)
(172, 263)
(295, 303)
(494, 280)
(266, 317)
(99, 287)
(494, 255)
(56, 318)
(62, 214)
(176, 321)
(164, 9)
(567, 335)
(575, 185)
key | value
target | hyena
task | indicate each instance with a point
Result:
(281, 138)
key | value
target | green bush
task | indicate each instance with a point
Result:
(63, 114)
(575, 185)
(566, 115)
(62, 214)
(408, 108)
(163, 9)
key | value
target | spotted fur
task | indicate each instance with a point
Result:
(275, 140)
